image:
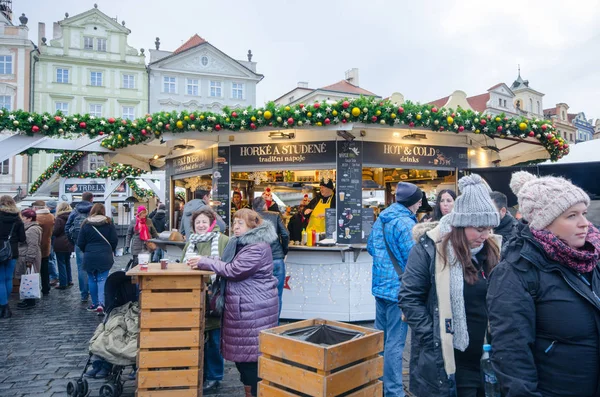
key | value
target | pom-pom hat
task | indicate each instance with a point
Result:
(474, 207)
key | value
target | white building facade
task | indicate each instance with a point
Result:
(199, 77)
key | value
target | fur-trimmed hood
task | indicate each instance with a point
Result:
(98, 220)
(264, 233)
(9, 209)
(421, 228)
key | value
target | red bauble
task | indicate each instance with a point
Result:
(149, 120)
(566, 145)
(374, 119)
(111, 120)
(168, 126)
(271, 124)
(442, 128)
(453, 115)
(544, 127)
(400, 110)
(35, 128)
(531, 134)
(233, 114)
(344, 121)
(290, 121)
(499, 129)
(218, 127)
(483, 122)
(110, 170)
(461, 128)
(82, 125)
(506, 118)
(301, 106)
(253, 126)
(411, 124)
(57, 119)
(345, 104)
(102, 132)
(144, 132)
(327, 121)
(124, 122)
(317, 105)
(192, 116)
(434, 110)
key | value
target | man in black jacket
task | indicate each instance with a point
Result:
(279, 247)
(159, 219)
(508, 224)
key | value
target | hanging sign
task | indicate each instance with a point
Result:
(196, 161)
(283, 153)
(84, 187)
(404, 155)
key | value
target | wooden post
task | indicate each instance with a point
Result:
(171, 342)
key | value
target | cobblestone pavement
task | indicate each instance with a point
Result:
(44, 348)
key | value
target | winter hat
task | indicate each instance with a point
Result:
(141, 208)
(51, 204)
(542, 200)
(408, 194)
(474, 207)
(328, 184)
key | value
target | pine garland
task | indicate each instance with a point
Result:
(65, 162)
(138, 191)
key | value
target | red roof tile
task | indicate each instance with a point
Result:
(571, 116)
(194, 41)
(345, 86)
(496, 86)
(551, 111)
(479, 102)
(440, 102)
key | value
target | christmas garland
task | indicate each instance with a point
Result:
(113, 171)
(65, 162)
(138, 191)
(121, 133)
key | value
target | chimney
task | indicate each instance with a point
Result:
(41, 32)
(352, 76)
(303, 84)
(56, 31)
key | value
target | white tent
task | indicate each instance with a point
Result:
(584, 152)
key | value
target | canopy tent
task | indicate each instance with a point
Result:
(583, 152)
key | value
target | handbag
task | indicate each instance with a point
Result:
(6, 249)
(216, 297)
(150, 246)
(30, 287)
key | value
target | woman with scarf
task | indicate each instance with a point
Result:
(139, 232)
(208, 240)
(30, 251)
(544, 297)
(251, 303)
(443, 294)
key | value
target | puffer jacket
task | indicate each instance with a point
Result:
(98, 251)
(9, 216)
(159, 219)
(133, 240)
(31, 250)
(398, 222)
(46, 221)
(116, 340)
(189, 209)
(251, 302)
(61, 242)
(279, 247)
(545, 337)
(507, 228)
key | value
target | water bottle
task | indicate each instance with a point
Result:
(490, 383)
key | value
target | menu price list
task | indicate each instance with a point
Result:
(222, 191)
(349, 192)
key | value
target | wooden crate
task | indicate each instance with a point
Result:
(289, 367)
(171, 342)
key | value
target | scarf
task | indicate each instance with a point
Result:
(141, 226)
(582, 260)
(195, 238)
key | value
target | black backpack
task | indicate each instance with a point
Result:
(73, 232)
(5, 248)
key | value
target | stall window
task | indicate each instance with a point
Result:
(95, 161)
(5, 102)
(169, 84)
(192, 87)
(62, 107)
(62, 75)
(215, 89)
(96, 110)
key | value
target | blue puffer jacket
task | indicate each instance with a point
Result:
(398, 222)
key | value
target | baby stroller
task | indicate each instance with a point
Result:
(118, 291)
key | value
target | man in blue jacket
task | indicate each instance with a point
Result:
(389, 244)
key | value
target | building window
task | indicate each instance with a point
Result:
(505, 103)
(499, 102)
(291, 99)
(571, 134)
(215, 89)
(563, 115)
(95, 161)
(237, 90)
(6, 64)
(530, 105)
(128, 112)
(204, 61)
(62, 107)
(88, 43)
(128, 81)
(5, 102)
(169, 85)
(192, 87)
(62, 75)
(101, 45)
(538, 107)
(96, 79)
(96, 110)
(5, 167)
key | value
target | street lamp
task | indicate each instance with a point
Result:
(19, 191)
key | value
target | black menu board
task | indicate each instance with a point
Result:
(330, 223)
(349, 192)
(221, 188)
(368, 219)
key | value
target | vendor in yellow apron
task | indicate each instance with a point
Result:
(324, 201)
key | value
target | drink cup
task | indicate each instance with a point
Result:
(144, 267)
(144, 259)
(347, 232)
(341, 222)
(187, 261)
(164, 263)
(342, 196)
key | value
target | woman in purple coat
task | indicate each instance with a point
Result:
(251, 302)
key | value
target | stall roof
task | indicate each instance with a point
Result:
(580, 153)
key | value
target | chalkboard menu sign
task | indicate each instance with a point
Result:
(330, 223)
(368, 219)
(349, 191)
(196, 161)
(222, 187)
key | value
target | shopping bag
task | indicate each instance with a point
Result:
(30, 285)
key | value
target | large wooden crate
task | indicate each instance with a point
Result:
(289, 367)
(171, 342)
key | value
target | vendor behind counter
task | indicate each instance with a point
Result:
(315, 210)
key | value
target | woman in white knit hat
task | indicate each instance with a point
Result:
(544, 297)
(443, 294)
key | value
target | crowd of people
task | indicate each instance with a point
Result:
(473, 274)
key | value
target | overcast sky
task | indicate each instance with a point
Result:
(423, 49)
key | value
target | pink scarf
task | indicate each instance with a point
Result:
(582, 260)
(142, 227)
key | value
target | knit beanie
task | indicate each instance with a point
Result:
(542, 200)
(474, 207)
(140, 209)
(408, 194)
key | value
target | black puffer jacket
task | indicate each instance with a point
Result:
(8, 218)
(545, 324)
(507, 228)
(98, 240)
(279, 247)
(159, 219)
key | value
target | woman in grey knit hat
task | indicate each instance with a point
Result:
(544, 297)
(443, 294)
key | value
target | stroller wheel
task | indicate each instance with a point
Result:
(71, 389)
(119, 389)
(86, 390)
(108, 390)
